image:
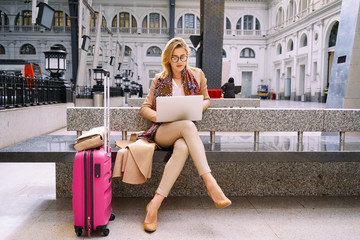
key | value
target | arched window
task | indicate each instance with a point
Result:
(128, 51)
(223, 53)
(153, 51)
(279, 49)
(17, 20)
(188, 23)
(333, 35)
(303, 40)
(4, 19)
(114, 22)
(290, 11)
(126, 22)
(303, 5)
(180, 22)
(247, 53)
(192, 52)
(228, 24)
(67, 21)
(93, 20)
(257, 25)
(2, 49)
(27, 49)
(153, 23)
(238, 27)
(60, 46)
(290, 46)
(58, 19)
(279, 17)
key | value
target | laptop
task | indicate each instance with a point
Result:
(174, 108)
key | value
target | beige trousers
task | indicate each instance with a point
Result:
(183, 135)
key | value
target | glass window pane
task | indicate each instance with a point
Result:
(189, 21)
(144, 24)
(133, 22)
(197, 22)
(238, 24)
(248, 22)
(257, 26)
(2, 49)
(164, 25)
(154, 20)
(114, 22)
(27, 16)
(179, 23)
(228, 24)
(68, 21)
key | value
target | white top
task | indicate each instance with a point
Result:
(177, 91)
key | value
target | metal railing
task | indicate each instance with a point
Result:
(34, 28)
(16, 91)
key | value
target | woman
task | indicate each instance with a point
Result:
(229, 89)
(177, 79)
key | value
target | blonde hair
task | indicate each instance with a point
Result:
(171, 45)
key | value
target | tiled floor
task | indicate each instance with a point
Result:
(29, 210)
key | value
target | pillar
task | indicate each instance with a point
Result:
(344, 80)
(212, 29)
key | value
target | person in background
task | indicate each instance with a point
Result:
(177, 79)
(140, 91)
(229, 88)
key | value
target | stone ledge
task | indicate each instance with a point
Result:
(215, 103)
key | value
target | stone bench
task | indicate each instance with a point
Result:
(215, 103)
(277, 169)
(229, 120)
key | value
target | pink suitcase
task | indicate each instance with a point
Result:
(92, 191)
(91, 184)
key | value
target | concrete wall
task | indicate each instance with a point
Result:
(19, 124)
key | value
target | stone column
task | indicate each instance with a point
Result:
(212, 29)
(235, 59)
(321, 78)
(308, 79)
(294, 69)
(139, 61)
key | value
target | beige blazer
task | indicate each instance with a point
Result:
(146, 109)
(133, 162)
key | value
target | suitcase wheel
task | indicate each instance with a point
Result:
(106, 231)
(78, 231)
(112, 217)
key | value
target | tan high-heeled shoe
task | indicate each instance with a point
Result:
(222, 204)
(149, 227)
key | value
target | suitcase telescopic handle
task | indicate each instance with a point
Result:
(107, 112)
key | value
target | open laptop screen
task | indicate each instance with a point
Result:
(174, 108)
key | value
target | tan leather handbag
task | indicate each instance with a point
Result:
(92, 139)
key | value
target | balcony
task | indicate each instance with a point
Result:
(34, 28)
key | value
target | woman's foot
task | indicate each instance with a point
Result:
(215, 192)
(150, 223)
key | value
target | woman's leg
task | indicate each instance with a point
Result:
(171, 172)
(169, 132)
(173, 167)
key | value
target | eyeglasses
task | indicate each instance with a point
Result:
(182, 58)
